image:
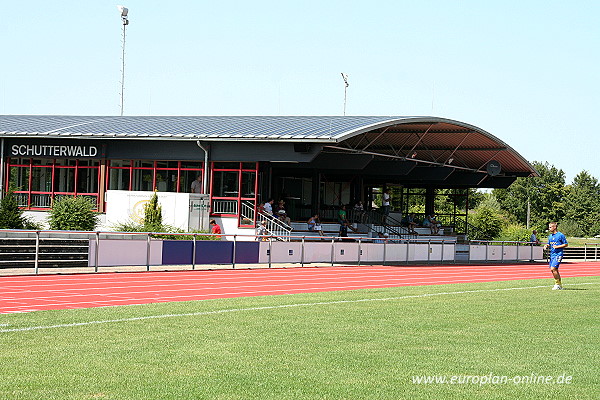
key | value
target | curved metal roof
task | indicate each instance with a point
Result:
(431, 140)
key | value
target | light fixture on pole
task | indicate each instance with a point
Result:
(345, 78)
(124, 11)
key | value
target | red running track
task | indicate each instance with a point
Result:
(53, 292)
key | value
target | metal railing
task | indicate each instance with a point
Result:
(144, 245)
(504, 245)
(274, 226)
(146, 249)
(390, 225)
(594, 251)
(247, 212)
(220, 206)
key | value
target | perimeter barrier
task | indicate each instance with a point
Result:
(590, 252)
(71, 252)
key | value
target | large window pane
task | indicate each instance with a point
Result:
(143, 164)
(118, 179)
(186, 178)
(166, 181)
(42, 161)
(248, 181)
(166, 164)
(89, 163)
(226, 165)
(225, 184)
(66, 162)
(191, 164)
(120, 163)
(20, 161)
(87, 180)
(19, 178)
(142, 180)
(64, 180)
(41, 179)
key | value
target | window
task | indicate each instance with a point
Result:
(147, 175)
(234, 190)
(39, 181)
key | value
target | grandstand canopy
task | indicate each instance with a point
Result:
(419, 149)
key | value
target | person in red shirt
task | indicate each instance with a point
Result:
(215, 228)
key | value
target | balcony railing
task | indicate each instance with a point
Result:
(221, 206)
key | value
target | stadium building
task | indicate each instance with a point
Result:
(315, 164)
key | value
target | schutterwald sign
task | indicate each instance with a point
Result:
(43, 150)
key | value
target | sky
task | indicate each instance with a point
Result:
(526, 71)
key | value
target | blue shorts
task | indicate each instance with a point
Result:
(555, 260)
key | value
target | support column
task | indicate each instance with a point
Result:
(316, 193)
(429, 200)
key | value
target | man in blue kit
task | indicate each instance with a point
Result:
(556, 243)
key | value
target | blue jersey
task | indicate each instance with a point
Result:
(556, 240)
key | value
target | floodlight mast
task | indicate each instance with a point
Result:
(124, 11)
(346, 84)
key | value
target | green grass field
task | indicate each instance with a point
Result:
(338, 349)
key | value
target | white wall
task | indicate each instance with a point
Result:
(116, 252)
(125, 206)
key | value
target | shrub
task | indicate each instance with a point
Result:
(11, 216)
(165, 229)
(153, 215)
(73, 214)
(486, 224)
(515, 233)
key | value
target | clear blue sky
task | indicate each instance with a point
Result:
(525, 71)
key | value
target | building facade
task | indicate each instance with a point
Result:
(314, 163)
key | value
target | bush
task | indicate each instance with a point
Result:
(486, 224)
(165, 230)
(11, 216)
(73, 214)
(515, 233)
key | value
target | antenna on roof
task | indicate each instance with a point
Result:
(346, 84)
(124, 11)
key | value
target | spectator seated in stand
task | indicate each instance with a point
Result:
(382, 237)
(314, 225)
(283, 217)
(431, 223)
(409, 222)
(343, 219)
(359, 212)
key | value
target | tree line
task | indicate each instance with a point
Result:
(536, 201)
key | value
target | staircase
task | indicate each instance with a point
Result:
(53, 253)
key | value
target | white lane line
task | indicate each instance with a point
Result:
(206, 280)
(230, 310)
(236, 274)
(188, 285)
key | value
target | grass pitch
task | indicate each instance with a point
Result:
(333, 346)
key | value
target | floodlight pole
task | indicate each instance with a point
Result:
(125, 20)
(346, 84)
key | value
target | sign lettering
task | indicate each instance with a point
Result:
(43, 150)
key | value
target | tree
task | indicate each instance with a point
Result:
(582, 203)
(153, 215)
(11, 216)
(545, 193)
